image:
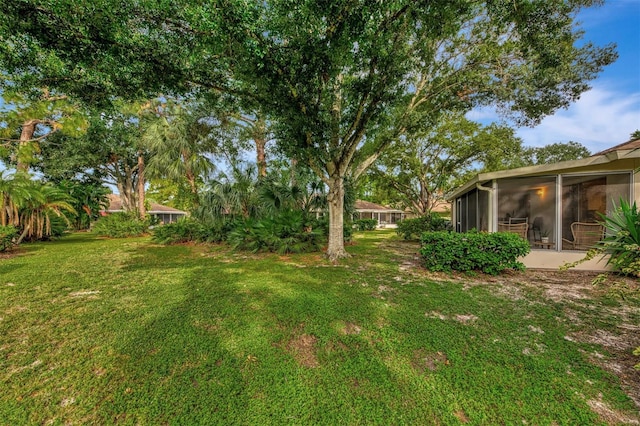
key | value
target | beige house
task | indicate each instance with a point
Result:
(561, 201)
(385, 216)
(163, 213)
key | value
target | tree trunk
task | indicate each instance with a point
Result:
(28, 129)
(260, 139)
(292, 170)
(335, 197)
(124, 182)
(142, 211)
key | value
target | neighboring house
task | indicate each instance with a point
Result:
(553, 199)
(384, 215)
(163, 213)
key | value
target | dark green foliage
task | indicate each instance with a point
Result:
(187, 230)
(286, 232)
(622, 243)
(490, 253)
(120, 225)
(59, 226)
(365, 224)
(7, 235)
(412, 229)
(88, 199)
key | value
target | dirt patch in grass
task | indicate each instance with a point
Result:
(423, 361)
(608, 414)
(303, 350)
(461, 416)
(617, 299)
(351, 328)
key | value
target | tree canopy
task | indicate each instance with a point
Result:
(417, 172)
(341, 80)
(554, 153)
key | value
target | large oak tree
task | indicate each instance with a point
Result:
(347, 79)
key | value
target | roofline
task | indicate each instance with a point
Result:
(166, 212)
(544, 168)
(379, 211)
(150, 211)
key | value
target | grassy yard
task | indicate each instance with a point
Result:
(127, 332)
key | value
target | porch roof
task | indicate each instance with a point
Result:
(369, 207)
(626, 150)
(115, 206)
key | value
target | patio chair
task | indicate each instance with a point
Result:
(515, 228)
(514, 220)
(585, 235)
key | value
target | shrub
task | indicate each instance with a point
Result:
(473, 251)
(120, 225)
(287, 232)
(412, 229)
(622, 243)
(7, 235)
(186, 230)
(365, 224)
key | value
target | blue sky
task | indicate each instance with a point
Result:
(607, 114)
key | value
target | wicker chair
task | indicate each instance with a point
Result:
(585, 235)
(515, 228)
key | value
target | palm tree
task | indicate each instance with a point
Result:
(36, 213)
(14, 192)
(179, 144)
(231, 196)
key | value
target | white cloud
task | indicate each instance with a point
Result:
(600, 119)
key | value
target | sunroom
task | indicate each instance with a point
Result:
(556, 207)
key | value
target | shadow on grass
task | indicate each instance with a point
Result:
(246, 342)
(266, 341)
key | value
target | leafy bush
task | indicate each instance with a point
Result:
(365, 224)
(412, 229)
(120, 225)
(182, 231)
(622, 243)
(473, 251)
(186, 230)
(287, 232)
(7, 235)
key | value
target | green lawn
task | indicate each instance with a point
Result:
(99, 331)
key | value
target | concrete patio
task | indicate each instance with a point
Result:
(551, 259)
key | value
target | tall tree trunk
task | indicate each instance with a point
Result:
(260, 139)
(28, 130)
(142, 211)
(124, 182)
(293, 172)
(335, 198)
